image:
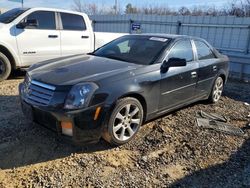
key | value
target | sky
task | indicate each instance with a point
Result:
(67, 4)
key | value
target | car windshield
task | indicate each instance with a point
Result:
(11, 15)
(136, 49)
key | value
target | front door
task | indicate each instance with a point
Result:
(178, 83)
(40, 42)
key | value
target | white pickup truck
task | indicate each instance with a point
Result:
(31, 35)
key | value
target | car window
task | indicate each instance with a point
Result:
(183, 50)
(73, 22)
(135, 49)
(11, 15)
(45, 19)
(203, 51)
(124, 47)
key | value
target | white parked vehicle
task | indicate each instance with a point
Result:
(31, 35)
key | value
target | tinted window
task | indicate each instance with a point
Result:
(182, 50)
(45, 19)
(203, 51)
(10, 15)
(124, 47)
(72, 22)
(142, 50)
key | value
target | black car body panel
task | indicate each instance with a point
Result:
(70, 71)
(157, 91)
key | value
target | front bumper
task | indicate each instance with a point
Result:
(86, 128)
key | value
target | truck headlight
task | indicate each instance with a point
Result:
(80, 95)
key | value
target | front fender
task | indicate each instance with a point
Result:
(146, 85)
(13, 52)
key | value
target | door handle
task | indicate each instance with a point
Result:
(194, 74)
(214, 68)
(85, 37)
(53, 36)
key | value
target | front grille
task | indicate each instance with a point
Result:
(37, 92)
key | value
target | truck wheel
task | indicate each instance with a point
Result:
(5, 67)
(124, 122)
(216, 90)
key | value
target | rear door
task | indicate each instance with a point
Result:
(75, 37)
(178, 83)
(207, 67)
(39, 43)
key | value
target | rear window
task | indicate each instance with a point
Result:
(203, 51)
(73, 22)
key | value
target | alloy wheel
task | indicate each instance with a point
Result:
(127, 122)
(218, 88)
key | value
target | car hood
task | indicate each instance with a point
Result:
(75, 69)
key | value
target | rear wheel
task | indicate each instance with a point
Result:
(124, 122)
(5, 67)
(217, 90)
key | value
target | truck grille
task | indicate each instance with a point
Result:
(37, 92)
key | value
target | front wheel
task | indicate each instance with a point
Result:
(217, 90)
(124, 122)
(5, 67)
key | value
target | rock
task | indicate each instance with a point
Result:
(145, 158)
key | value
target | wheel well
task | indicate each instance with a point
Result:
(141, 99)
(223, 77)
(6, 52)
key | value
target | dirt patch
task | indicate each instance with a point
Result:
(170, 151)
(175, 172)
(122, 159)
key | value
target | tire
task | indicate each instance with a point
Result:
(5, 67)
(216, 90)
(124, 122)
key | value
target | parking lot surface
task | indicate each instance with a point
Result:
(170, 151)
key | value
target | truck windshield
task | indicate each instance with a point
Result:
(136, 49)
(11, 15)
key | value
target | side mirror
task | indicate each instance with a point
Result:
(173, 62)
(28, 23)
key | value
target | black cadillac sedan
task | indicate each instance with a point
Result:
(111, 92)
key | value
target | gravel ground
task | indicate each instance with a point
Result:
(168, 152)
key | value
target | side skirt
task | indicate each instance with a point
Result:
(168, 110)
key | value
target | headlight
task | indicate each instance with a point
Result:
(26, 84)
(80, 96)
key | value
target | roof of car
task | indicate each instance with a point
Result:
(171, 36)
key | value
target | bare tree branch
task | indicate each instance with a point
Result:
(240, 8)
